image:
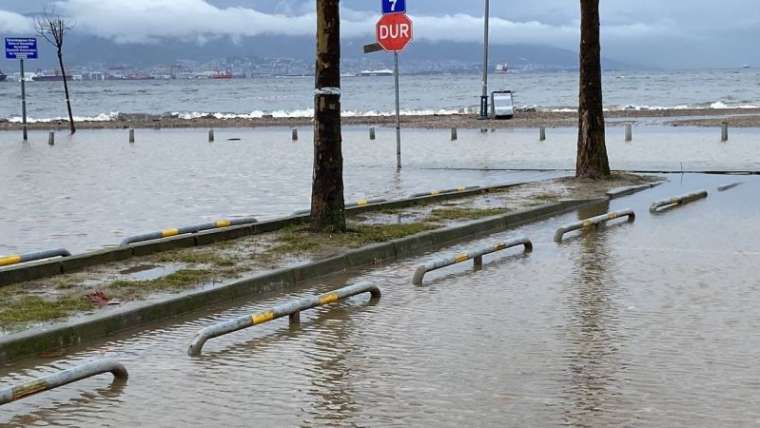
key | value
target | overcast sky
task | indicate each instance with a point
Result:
(666, 33)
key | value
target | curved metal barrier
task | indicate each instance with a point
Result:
(476, 255)
(42, 255)
(667, 204)
(65, 377)
(594, 222)
(445, 192)
(729, 186)
(168, 233)
(358, 204)
(293, 310)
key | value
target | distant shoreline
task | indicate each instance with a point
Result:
(524, 119)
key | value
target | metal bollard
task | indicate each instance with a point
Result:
(62, 378)
(454, 134)
(210, 135)
(595, 221)
(285, 310)
(372, 134)
(724, 132)
(476, 256)
(294, 135)
(131, 135)
(542, 134)
(628, 132)
(51, 139)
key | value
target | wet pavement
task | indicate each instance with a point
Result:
(644, 324)
(94, 189)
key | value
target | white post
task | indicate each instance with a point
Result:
(398, 115)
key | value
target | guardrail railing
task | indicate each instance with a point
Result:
(729, 186)
(445, 192)
(594, 222)
(668, 204)
(292, 310)
(358, 204)
(475, 255)
(31, 257)
(168, 233)
(62, 378)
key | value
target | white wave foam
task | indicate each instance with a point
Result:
(102, 117)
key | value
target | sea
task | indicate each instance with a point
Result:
(374, 95)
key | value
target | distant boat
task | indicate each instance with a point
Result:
(384, 72)
(222, 75)
(745, 66)
(3, 76)
(502, 68)
(48, 78)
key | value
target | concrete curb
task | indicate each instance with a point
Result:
(80, 331)
(48, 268)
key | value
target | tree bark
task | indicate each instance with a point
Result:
(592, 161)
(327, 203)
(72, 126)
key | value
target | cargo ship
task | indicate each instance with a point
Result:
(48, 78)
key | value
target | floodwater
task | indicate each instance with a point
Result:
(646, 324)
(94, 189)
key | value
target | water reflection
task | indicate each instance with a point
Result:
(592, 353)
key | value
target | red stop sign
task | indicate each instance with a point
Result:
(394, 32)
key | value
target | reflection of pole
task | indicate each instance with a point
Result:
(484, 96)
(398, 115)
(23, 101)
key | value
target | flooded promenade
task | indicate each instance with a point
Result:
(644, 324)
(94, 189)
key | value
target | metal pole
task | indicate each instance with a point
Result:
(23, 101)
(398, 115)
(484, 96)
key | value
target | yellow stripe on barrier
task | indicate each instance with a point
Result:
(169, 233)
(461, 189)
(362, 203)
(462, 258)
(435, 193)
(500, 247)
(223, 223)
(588, 223)
(28, 389)
(262, 317)
(10, 260)
(328, 298)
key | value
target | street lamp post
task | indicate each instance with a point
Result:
(484, 96)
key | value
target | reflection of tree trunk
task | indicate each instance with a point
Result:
(592, 158)
(327, 203)
(592, 347)
(66, 90)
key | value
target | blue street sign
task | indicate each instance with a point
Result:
(20, 48)
(394, 6)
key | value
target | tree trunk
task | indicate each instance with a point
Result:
(327, 204)
(592, 161)
(66, 90)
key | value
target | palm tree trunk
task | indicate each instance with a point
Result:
(327, 203)
(592, 161)
(66, 90)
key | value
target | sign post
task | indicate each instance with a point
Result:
(394, 32)
(22, 48)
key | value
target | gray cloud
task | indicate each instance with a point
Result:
(669, 33)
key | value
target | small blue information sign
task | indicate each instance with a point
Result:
(394, 6)
(21, 48)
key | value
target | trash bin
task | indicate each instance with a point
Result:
(502, 105)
